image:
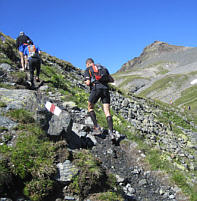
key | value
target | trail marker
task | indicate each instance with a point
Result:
(52, 108)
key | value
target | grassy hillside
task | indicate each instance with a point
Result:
(189, 99)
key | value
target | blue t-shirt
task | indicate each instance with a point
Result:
(29, 54)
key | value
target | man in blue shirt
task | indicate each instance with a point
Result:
(32, 52)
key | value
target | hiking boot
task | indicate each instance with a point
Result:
(33, 86)
(114, 135)
(97, 130)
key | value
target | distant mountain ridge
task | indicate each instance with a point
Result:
(153, 50)
(163, 72)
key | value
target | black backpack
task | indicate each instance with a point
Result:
(99, 73)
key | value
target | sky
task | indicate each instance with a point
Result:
(109, 31)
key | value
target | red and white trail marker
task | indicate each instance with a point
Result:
(52, 108)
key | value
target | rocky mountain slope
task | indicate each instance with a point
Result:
(162, 72)
(56, 158)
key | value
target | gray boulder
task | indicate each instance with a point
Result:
(6, 122)
(18, 99)
(66, 171)
(60, 123)
(5, 67)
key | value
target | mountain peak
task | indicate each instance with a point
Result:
(160, 47)
(153, 50)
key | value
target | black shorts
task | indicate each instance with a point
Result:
(95, 94)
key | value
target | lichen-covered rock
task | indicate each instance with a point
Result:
(6, 122)
(66, 171)
(18, 99)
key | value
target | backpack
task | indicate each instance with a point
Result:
(99, 73)
(32, 51)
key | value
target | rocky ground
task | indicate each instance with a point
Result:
(122, 158)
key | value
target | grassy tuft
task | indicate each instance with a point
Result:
(21, 115)
(3, 104)
(38, 189)
(110, 196)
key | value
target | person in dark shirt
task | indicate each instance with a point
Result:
(32, 53)
(98, 90)
(21, 44)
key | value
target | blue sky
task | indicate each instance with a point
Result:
(110, 31)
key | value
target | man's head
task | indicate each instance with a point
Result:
(89, 62)
(21, 33)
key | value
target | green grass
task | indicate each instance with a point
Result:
(6, 86)
(92, 178)
(177, 120)
(157, 160)
(19, 75)
(53, 77)
(3, 104)
(90, 174)
(162, 70)
(162, 84)
(32, 160)
(110, 196)
(130, 78)
(180, 179)
(189, 98)
(7, 61)
(21, 115)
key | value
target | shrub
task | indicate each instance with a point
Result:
(38, 189)
(91, 177)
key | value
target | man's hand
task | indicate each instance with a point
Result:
(87, 82)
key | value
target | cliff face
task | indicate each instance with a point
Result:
(48, 157)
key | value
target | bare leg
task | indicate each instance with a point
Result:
(106, 108)
(26, 62)
(22, 60)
